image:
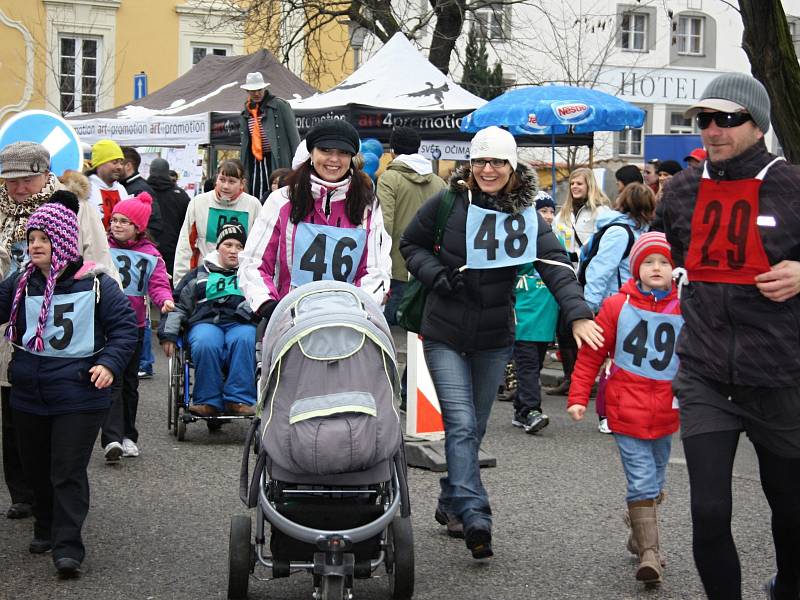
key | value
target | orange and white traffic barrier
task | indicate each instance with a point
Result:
(423, 412)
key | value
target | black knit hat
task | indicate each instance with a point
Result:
(333, 133)
(231, 230)
(404, 140)
(672, 167)
(66, 198)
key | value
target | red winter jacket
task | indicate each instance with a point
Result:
(635, 405)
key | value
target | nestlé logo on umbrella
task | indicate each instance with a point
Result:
(572, 112)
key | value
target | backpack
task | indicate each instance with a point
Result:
(589, 250)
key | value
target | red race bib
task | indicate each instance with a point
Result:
(110, 200)
(725, 244)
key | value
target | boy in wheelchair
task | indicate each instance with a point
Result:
(221, 330)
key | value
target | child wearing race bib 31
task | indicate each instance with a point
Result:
(73, 332)
(143, 275)
(641, 324)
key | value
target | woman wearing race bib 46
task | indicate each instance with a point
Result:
(324, 224)
(73, 332)
(490, 229)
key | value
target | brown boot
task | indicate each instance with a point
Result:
(235, 408)
(631, 543)
(203, 410)
(568, 358)
(644, 522)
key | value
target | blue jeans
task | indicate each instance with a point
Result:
(230, 345)
(645, 464)
(466, 384)
(146, 359)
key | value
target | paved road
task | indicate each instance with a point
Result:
(158, 525)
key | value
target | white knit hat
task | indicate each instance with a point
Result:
(494, 142)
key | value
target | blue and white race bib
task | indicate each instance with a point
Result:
(69, 332)
(326, 252)
(646, 343)
(135, 269)
(497, 239)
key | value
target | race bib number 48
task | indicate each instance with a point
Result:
(497, 239)
(326, 252)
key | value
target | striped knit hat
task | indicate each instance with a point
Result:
(60, 225)
(652, 242)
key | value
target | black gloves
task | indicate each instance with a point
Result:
(449, 284)
(265, 310)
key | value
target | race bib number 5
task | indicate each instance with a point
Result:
(497, 239)
(646, 343)
(69, 332)
(326, 252)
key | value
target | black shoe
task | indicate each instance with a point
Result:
(479, 542)
(455, 529)
(560, 390)
(39, 546)
(535, 421)
(507, 395)
(19, 510)
(67, 567)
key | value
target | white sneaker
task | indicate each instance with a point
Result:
(129, 448)
(113, 451)
(603, 427)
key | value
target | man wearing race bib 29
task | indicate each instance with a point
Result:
(468, 321)
(325, 224)
(641, 323)
(734, 224)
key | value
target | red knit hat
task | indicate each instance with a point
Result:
(137, 209)
(652, 242)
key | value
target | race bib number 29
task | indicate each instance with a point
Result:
(497, 239)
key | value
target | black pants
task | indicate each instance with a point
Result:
(121, 420)
(528, 359)
(18, 487)
(55, 452)
(709, 458)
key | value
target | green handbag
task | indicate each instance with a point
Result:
(412, 305)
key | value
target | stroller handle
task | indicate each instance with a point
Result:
(310, 535)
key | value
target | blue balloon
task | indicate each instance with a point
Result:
(372, 145)
(371, 163)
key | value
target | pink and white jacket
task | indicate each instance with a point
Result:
(265, 265)
(158, 287)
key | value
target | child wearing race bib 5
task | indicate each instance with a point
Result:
(73, 332)
(221, 330)
(143, 275)
(641, 324)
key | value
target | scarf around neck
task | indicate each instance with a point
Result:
(14, 215)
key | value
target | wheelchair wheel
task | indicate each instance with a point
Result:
(239, 556)
(400, 540)
(180, 429)
(332, 587)
(172, 387)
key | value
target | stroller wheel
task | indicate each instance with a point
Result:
(401, 548)
(239, 551)
(332, 588)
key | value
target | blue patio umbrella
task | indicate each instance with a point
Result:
(554, 110)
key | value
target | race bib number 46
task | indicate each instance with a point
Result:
(326, 252)
(497, 239)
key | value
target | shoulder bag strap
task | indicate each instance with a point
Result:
(442, 215)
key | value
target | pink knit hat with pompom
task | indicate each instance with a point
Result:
(136, 209)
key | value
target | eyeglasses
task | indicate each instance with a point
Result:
(497, 163)
(722, 119)
(116, 221)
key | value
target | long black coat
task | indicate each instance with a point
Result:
(481, 317)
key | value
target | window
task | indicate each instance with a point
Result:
(794, 32)
(680, 124)
(690, 35)
(199, 52)
(78, 74)
(490, 21)
(630, 142)
(634, 32)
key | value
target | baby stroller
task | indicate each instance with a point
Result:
(330, 478)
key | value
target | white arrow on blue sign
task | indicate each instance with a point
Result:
(139, 85)
(49, 130)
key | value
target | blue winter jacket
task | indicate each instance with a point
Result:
(607, 269)
(47, 385)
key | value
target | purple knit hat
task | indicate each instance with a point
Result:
(60, 225)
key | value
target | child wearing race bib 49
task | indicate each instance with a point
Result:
(641, 324)
(73, 331)
(143, 275)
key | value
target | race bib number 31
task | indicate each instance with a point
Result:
(646, 343)
(135, 269)
(496, 239)
(326, 252)
(69, 332)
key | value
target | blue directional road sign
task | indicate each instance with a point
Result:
(49, 130)
(139, 85)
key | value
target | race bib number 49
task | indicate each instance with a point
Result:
(497, 239)
(326, 252)
(646, 343)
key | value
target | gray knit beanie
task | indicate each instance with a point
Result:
(735, 92)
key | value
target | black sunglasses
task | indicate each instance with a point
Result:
(722, 119)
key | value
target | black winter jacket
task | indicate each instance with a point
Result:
(481, 317)
(172, 202)
(135, 185)
(733, 334)
(47, 385)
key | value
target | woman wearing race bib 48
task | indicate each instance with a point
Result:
(324, 224)
(468, 321)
